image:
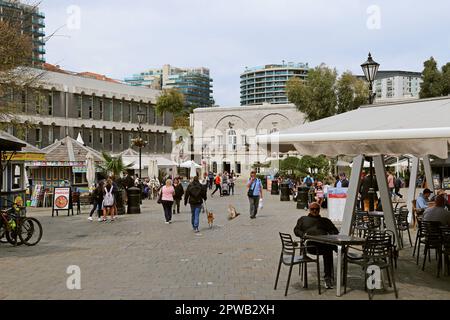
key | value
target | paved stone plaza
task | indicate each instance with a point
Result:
(140, 257)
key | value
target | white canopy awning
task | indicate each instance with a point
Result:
(419, 128)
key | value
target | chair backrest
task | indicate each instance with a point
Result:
(378, 246)
(445, 233)
(402, 217)
(431, 230)
(287, 243)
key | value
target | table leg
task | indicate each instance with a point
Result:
(339, 271)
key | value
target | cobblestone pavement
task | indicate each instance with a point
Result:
(140, 257)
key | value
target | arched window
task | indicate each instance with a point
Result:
(232, 140)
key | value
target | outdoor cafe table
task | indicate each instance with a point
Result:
(341, 241)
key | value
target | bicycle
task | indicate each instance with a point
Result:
(18, 229)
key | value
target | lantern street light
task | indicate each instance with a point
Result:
(139, 142)
(370, 69)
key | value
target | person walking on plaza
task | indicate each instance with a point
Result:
(218, 183)
(179, 191)
(195, 194)
(109, 200)
(97, 197)
(397, 187)
(391, 183)
(232, 181)
(254, 193)
(211, 180)
(167, 193)
(314, 224)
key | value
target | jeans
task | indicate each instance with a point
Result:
(210, 183)
(232, 188)
(176, 205)
(326, 251)
(218, 187)
(254, 204)
(97, 206)
(195, 209)
(167, 205)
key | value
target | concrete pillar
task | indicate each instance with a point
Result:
(428, 173)
(352, 195)
(412, 186)
(386, 199)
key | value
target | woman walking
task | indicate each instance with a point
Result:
(179, 191)
(166, 194)
(97, 196)
(109, 201)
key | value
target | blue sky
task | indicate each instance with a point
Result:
(119, 38)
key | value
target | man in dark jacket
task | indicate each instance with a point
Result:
(314, 224)
(195, 195)
(179, 191)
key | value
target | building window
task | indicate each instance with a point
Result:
(101, 137)
(129, 112)
(79, 178)
(38, 101)
(50, 103)
(38, 137)
(121, 138)
(232, 140)
(121, 110)
(111, 140)
(80, 106)
(24, 101)
(101, 109)
(91, 108)
(16, 177)
(91, 137)
(51, 134)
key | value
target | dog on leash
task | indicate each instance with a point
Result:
(232, 213)
(210, 219)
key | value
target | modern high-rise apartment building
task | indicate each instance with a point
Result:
(30, 21)
(397, 85)
(267, 84)
(194, 83)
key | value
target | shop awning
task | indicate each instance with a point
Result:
(420, 127)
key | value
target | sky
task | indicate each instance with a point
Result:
(119, 38)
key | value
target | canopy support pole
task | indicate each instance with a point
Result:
(352, 196)
(412, 187)
(386, 200)
(428, 174)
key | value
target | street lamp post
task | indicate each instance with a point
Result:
(140, 143)
(370, 69)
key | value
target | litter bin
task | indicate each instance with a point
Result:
(285, 192)
(134, 200)
(275, 189)
(302, 198)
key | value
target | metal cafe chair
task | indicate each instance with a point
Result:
(432, 239)
(403, 224)
(289, 258)
(378, 251)
(445, 233)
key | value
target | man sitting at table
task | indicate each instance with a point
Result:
(422, 200)
(438, 212)
(314, 224)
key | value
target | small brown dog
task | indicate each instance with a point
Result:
(232, 213)
(210, 219)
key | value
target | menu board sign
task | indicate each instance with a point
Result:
(61, 199)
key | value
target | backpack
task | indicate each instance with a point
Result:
(398, 183)
(309, 182)
(108, 199)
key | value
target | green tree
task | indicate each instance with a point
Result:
(171, 100)
(446, 79)
(113, 165)
(316, 97)
(432, 80)
(351, 92)
(305, 165)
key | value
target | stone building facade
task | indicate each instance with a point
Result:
(225, 137)
(104, 112)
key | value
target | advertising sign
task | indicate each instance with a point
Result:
(61, 199)
(336, 203)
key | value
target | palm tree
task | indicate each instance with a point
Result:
(113, 165)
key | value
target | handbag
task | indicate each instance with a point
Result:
(159, 198)
(252, 190)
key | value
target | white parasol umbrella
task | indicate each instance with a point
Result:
(193, 171)
(90, 172)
